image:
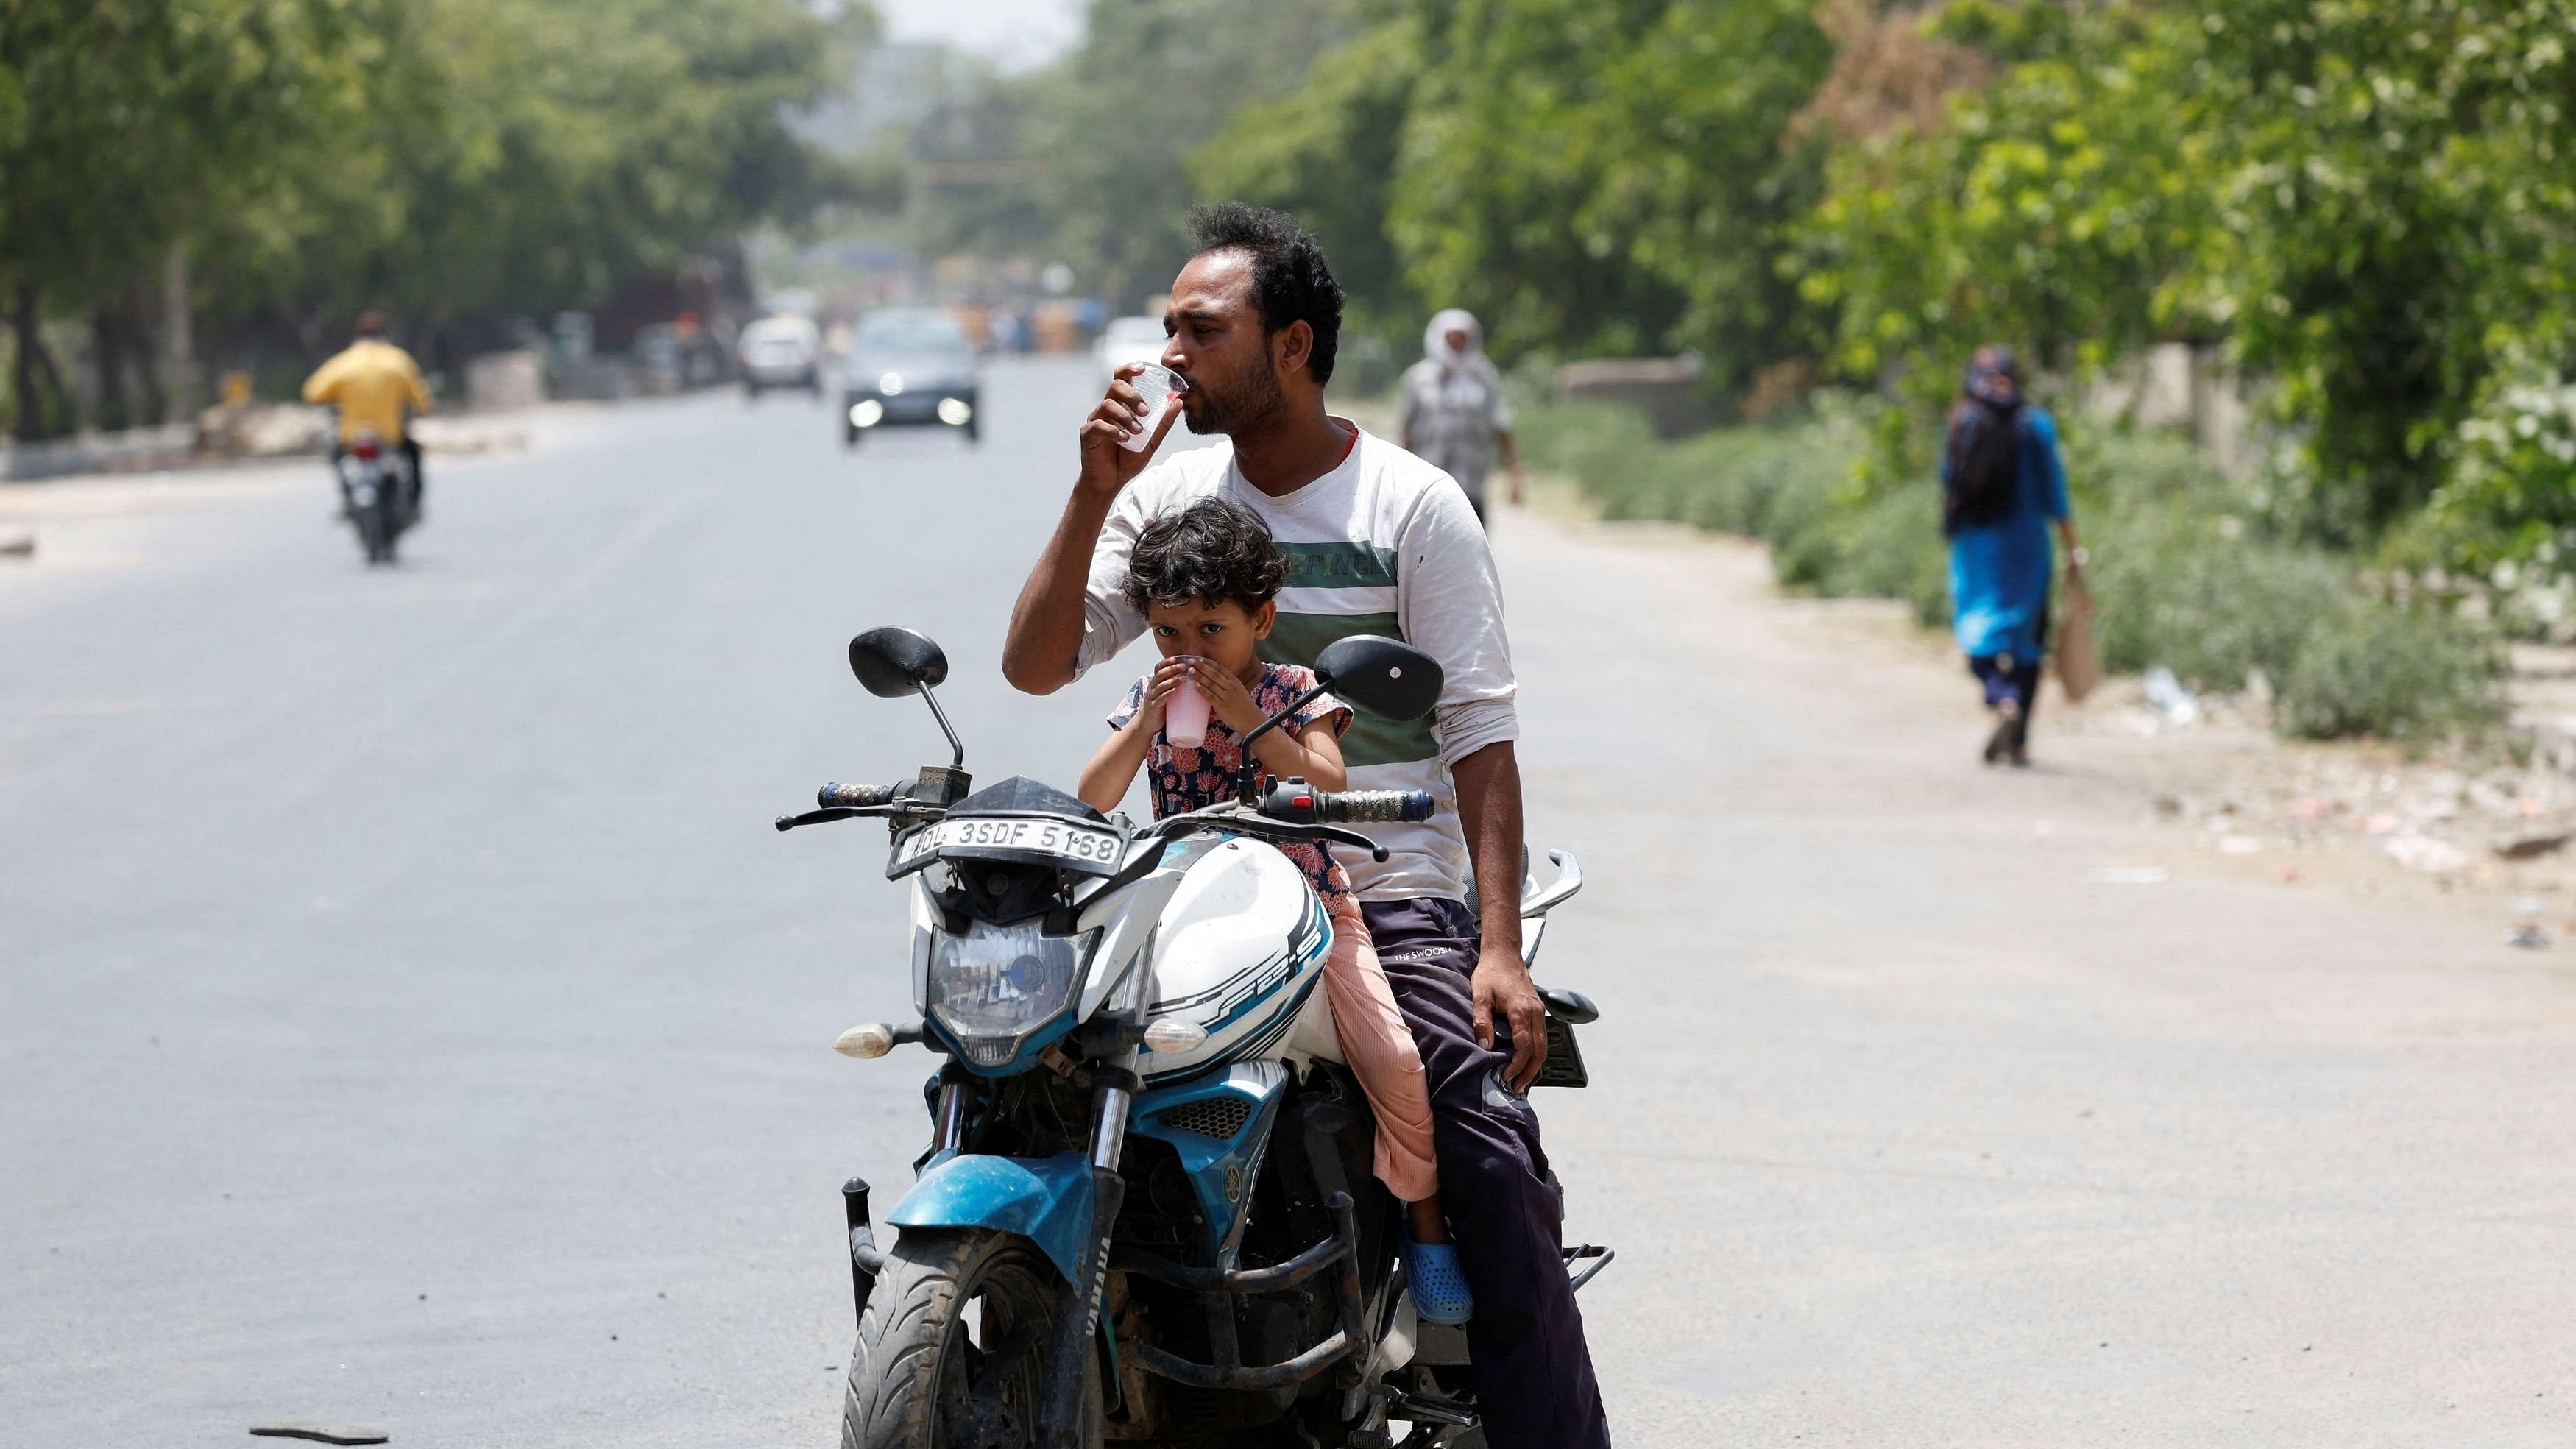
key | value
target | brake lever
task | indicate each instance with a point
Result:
(910, 810)
(821, 817)
(1262, 825)
(1335, 833)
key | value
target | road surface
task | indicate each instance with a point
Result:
(408, 1018)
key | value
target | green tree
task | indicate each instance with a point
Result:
(449, 157)
(1328, 151)
(1585, 177)
(532, 154)
(2408, 221)
(122, 123)
(2367, 201)
(1613, 177)
(1097, 165)
(2066, 209)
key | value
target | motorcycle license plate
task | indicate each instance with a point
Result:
(1090, 848)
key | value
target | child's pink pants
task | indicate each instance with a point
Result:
(1378, 1048)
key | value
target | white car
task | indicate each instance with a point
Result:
(1129, 339)
(782, 352)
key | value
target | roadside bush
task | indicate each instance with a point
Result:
(2402, 674)
(1896, 552)
(1603, 447)
(2183, 574)
(2177, 591)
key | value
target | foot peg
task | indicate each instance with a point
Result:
(1595, 1251)
(1429, 1409)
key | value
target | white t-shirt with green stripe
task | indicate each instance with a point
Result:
(1383, 544)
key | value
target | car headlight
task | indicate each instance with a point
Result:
(995, 987)
(955, 411)
(867, 412)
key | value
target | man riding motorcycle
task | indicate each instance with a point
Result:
(378, 389)
(1382, 542)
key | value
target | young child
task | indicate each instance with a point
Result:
(1206, 578)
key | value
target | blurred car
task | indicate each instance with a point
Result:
(910, 366)
(781, 352)
(1129, 339)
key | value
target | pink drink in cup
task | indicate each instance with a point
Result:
(1185, 715)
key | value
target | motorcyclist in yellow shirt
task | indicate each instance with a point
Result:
(378, 389)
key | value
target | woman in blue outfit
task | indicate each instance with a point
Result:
(2003, 487)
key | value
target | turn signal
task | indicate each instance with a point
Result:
(1172, 1036)
(869, 1040)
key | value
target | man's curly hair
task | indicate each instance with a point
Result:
(1291, 281)
(1215, 551)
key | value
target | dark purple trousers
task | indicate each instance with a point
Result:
(1533, 1374)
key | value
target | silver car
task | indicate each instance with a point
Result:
(782, 352)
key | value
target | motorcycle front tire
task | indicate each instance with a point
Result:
(913, 1367)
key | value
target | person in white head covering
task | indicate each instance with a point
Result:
(1455, 416)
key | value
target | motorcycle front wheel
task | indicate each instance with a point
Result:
(952, 1350)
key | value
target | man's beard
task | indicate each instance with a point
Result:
(1242, 410)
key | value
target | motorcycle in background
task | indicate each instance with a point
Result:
(1146, 1214)
(376, 494)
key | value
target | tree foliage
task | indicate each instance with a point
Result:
(1615, 177)
(442, 157)
(2400, 185)
(1584, 176)
(1329, 152)
(2366, 201)
(2064, 208)
(1088, 160)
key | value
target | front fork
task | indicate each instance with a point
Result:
(1060, 1420)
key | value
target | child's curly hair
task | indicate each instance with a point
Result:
(1214, 551)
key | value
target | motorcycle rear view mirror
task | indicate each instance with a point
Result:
(892, 662)
(1381, 676)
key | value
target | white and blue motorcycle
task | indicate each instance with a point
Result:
(1146, 1214)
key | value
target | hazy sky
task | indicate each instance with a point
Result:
(1018, 33)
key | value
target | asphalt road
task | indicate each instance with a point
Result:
(407, 1016)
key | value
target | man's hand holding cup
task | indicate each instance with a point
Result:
(1121, 434)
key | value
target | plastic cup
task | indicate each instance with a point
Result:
(1185, 715)
(1162, 389)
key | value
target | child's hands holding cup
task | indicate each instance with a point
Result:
(1228, 698)
(1167, 677)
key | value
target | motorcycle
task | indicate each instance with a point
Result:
(1146, 1214)
(375, 494)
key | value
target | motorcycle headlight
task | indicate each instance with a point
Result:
(996, 987)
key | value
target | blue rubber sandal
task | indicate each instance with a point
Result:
(1438, 1284)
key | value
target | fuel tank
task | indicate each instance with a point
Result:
(1240, 950)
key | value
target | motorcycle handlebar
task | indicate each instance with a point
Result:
(837, 795)
(1296, 801)
(1365, 806)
